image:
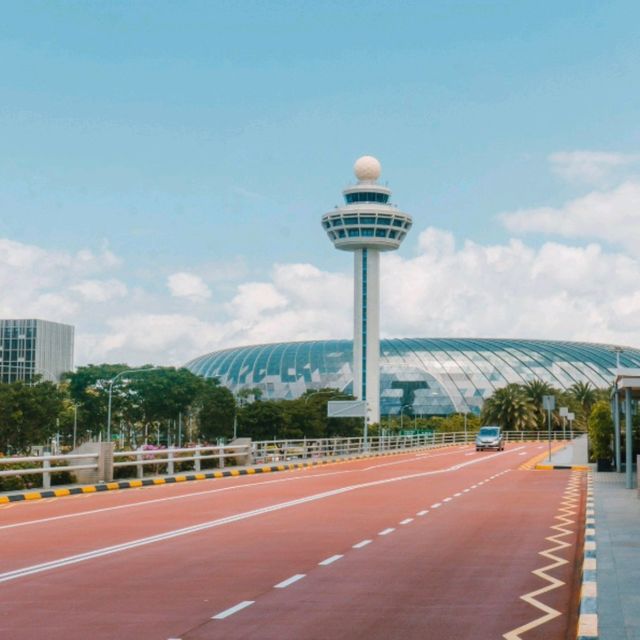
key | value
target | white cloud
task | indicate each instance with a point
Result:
(100, 290)
(188, 285)
(591, 167)
(448, 288)
(612, 215)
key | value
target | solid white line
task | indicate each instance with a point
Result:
(285, 583)
(330, 560)
(364, 543)
(386, 532)
(168, 535)
(435, 505)
(406, 521)
(257, 482)
(423, 512)
(229, 612)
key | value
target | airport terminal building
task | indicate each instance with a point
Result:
(427, 376)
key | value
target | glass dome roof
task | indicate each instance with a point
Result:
(435, 376)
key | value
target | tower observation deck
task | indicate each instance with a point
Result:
(367, 224)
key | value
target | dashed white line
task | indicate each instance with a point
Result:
(330, 560)
(364, 543)
(524, 453)
(466, 490)
(132, 544)
(435, 505)
(447, 500)
(455, 495)
(406, 521)
(423, 512)
(229, 612)
(386, 532)
(474, 486)
(285, 583)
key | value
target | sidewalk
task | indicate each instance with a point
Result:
(617, 525)
(617, 515)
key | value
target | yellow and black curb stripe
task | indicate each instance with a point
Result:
(189, 477)
(565, 467)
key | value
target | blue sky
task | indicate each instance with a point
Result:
(207, 138)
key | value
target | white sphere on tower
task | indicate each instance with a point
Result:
(367, 168)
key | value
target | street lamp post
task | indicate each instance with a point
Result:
(111, 393)
(549, 403)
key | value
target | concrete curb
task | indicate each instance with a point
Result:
(588, 618)
(564, 467)
(191, 476)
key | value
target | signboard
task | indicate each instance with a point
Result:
(346, 408)
(549, 403)
(564, 412)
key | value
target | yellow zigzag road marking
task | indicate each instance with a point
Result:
(567, 508)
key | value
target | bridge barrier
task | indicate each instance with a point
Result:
(98, 462)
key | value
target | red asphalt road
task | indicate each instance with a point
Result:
(455, 572)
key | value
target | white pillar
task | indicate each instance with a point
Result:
(366, 335)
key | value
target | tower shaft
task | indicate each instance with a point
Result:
(366, 334)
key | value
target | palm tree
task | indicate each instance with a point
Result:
(585, 395)
(510, 408)
(536, 390)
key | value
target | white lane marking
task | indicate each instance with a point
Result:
(406, 521)
(474, 486)
(435, 505)
(469, 454)
(465, 490)
(229, 612)
(386, 532)
(447, 500)
(455, 495)
(155, 500)
(524, 453)
(168, 535)
(423, 512)
(364, 543)
(246, 484)
(405, 460)
(285, 583)
(330, 560)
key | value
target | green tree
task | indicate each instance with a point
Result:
(585, 395)
(509, 408)
(601, 430)
(28, 414)
(535, 391)
(261, 420)
(216, 411)
(88, 387)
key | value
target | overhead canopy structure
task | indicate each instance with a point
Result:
(626, 386)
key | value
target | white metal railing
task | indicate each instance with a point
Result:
(45, 467)
(259, 452)
(140, 458)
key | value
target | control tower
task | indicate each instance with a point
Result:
(366, 225)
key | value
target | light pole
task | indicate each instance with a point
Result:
(111, 393)
(549, 403)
